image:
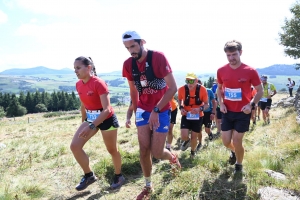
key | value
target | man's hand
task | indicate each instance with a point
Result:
(128, 123)
(183, 112)
(153, 120)
(195, 110)
(223, 108)
(247, 109)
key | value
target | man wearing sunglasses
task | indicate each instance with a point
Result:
(234, 95)
(192, 99)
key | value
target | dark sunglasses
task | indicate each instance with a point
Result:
(191, 81)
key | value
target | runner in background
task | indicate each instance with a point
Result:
(209, 115)
(192, 100)
(254, 109)
(174, 111)
(266, 100)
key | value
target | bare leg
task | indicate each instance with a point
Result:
(110, 141)
(77, 148)
(144, 137)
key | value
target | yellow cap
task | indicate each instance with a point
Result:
(191, 76)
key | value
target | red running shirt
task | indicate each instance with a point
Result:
(89, 93)
(161, 68)
(237, 85)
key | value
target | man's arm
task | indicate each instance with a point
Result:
(219, 93)
(129, 115)
(170, 81)
(259, 93)
(133, 95)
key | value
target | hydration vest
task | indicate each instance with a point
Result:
(151, 80)
(187, 96)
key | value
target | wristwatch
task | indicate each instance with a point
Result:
(156, 109)
(92, 126)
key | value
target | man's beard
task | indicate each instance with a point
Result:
(139, 55)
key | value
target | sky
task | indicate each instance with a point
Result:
(191, 33)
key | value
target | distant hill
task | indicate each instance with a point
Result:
(277, 69)
(288, 70)
(36, 70)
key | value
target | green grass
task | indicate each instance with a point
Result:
(38, 163)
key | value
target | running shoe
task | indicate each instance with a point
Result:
(118, 182)
(175, 164)
(185, 145)
(145, 194)
(85, 182)
(210, 137)
(199, 145)
(232, 158)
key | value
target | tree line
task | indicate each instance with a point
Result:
(34, 102)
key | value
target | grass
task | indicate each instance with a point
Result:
(38, 164)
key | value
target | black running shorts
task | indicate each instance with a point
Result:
(238, 121)
(194, 125)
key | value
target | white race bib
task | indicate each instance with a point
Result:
(91, 115)
(264, 99)
(233, 94)
(138, 115)
(190, 116)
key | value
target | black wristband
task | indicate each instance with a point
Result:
(212, 113)
(181, 107)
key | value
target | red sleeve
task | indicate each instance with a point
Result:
(219, 76)
(127, 69)
(161, 66)
(255, 80)
(101, 87)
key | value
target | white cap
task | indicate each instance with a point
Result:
(131, 35)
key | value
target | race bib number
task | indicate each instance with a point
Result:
(138, 115)
(264, 99)
(191, 116)
(233, 94)
(91, 115)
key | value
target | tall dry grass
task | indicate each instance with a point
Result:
(38, 164)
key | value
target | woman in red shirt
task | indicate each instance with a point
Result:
(97, 113)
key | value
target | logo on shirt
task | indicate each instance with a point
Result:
(242, 80)
(90, 93)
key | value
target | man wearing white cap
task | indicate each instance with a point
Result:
(152, 86)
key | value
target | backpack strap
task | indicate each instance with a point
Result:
(135, 71)
(187, 96)
(197, 95)
(149, 69)
(197, 100)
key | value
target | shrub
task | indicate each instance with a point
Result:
(2, 112)
(40, 108)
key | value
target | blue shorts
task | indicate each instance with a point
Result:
(164, 121)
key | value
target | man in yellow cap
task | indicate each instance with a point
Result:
(192, 100)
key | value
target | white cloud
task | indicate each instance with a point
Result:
(3, 17)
